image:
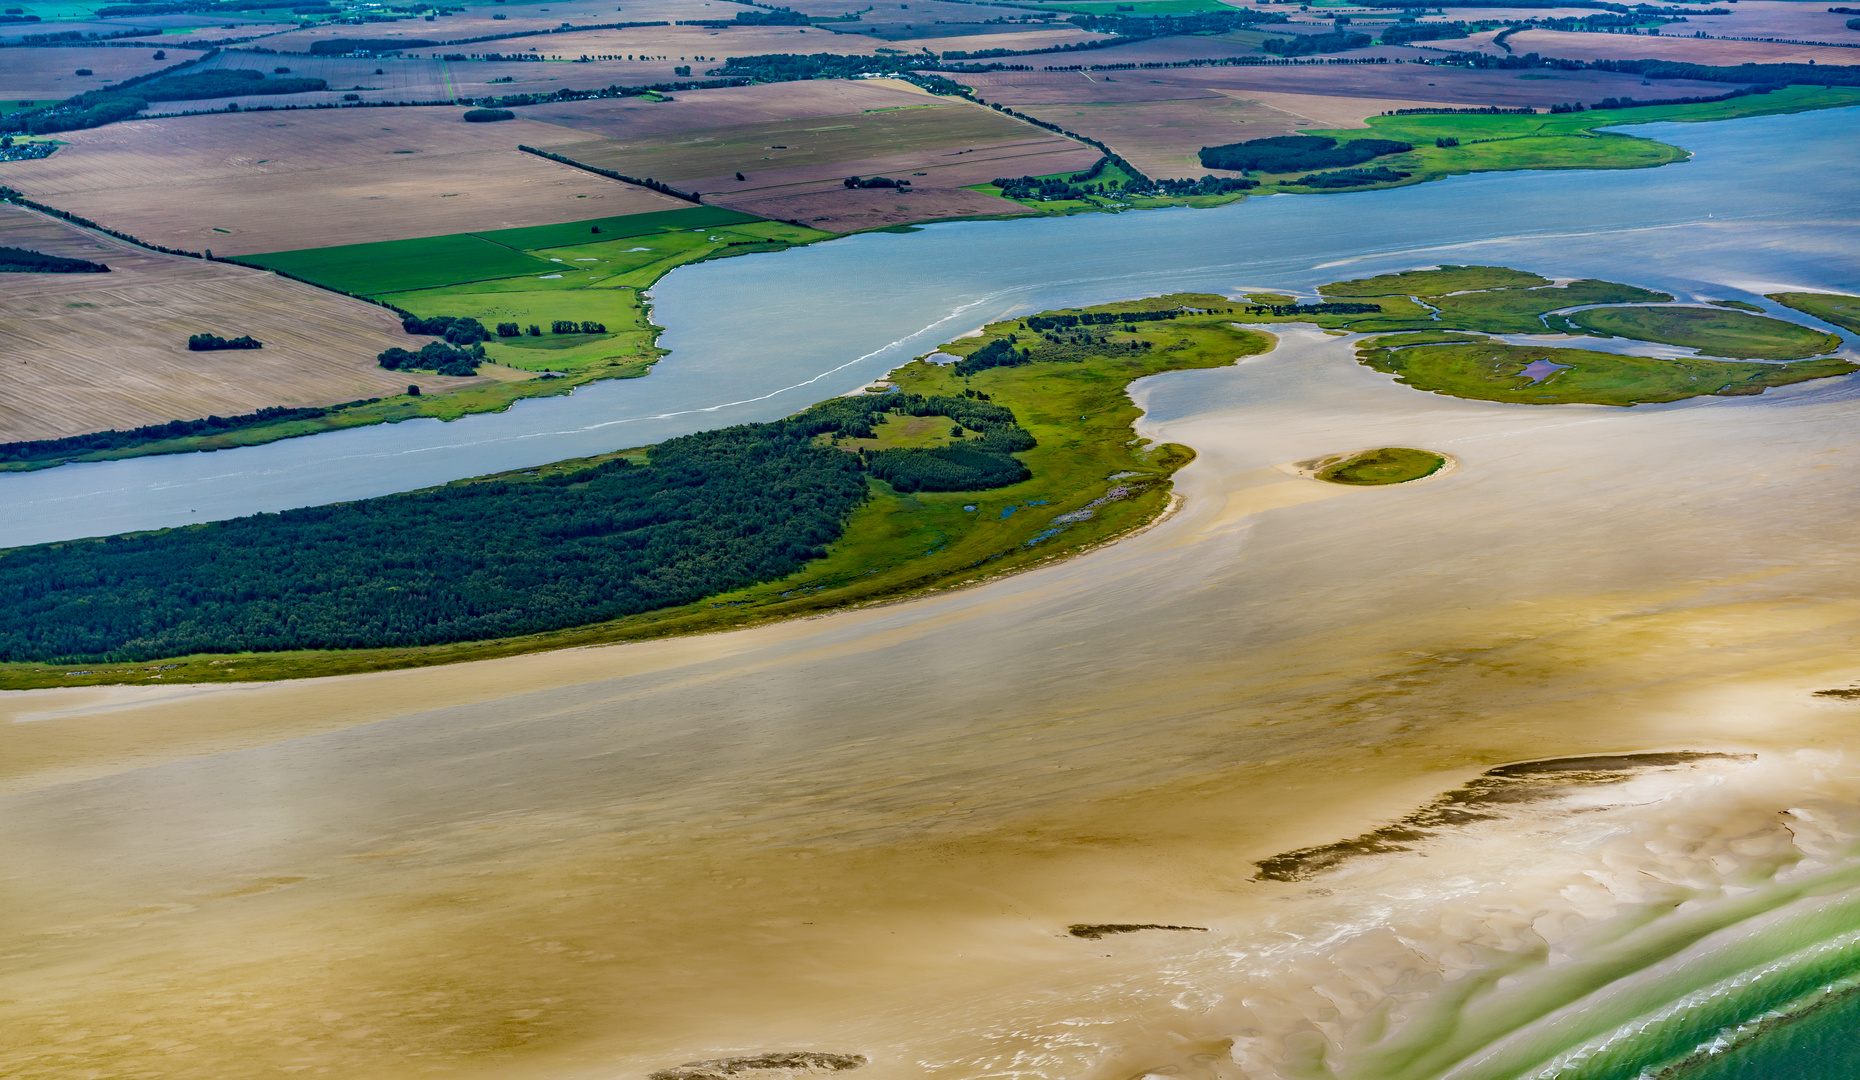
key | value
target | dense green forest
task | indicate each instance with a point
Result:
(708, 513)
(94, 108)
(22, 261)
(1296, 153)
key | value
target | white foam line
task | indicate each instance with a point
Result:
(1519, 238)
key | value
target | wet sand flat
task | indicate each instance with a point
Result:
(868, 833)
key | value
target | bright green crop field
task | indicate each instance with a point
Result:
(1712, 331)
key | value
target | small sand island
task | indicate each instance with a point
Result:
(1376, 468)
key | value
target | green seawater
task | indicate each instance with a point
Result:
(1823, 1044)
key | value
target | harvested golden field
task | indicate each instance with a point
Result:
(252, 182)
(793, 169)
(690, 110)
(50, 74)
(90, 352)
(1321, 92)
(1162, 137)
(952, 143)
(1777, 19)
(1685, 50)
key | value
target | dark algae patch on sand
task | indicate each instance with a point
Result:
(1097, 931)
(1487, 797)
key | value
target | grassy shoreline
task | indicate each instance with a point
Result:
(1093, 482)
(1065, 375)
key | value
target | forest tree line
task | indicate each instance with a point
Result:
(23, 261)
(708, 513)
(1297, 153)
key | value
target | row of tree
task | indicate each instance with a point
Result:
(1296, 153)
(1349, 178)
(23, 261)
(434, 356)
(215, 343)
(118, 439)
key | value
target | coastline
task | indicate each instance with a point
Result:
(627, 842)
(1468, 158)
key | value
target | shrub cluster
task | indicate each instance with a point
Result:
(874, 182)
(1313, 44)
(215, 343)
(435, 356)
(488, 116)
(456, 330)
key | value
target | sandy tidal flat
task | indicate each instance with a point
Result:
(868, 833)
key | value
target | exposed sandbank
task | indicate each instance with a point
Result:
(869, 833)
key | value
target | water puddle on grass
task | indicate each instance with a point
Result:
(1539, 370)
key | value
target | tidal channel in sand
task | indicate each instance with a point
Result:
(867, 833)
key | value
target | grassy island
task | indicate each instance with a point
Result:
(1712, 331)
(668, 519)
(1842, 311)
(1380, 467)
(1535, 375)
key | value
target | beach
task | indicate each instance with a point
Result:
(867, 833)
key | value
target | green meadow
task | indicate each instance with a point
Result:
(1712, 331)
(1841, 311)
(1493, 371)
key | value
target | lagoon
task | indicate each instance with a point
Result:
(1766, 204)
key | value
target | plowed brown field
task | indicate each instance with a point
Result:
(89, 352)
(792, 169)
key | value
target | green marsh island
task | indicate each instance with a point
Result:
(1000, 451)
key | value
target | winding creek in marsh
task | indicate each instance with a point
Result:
(1764, 205)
